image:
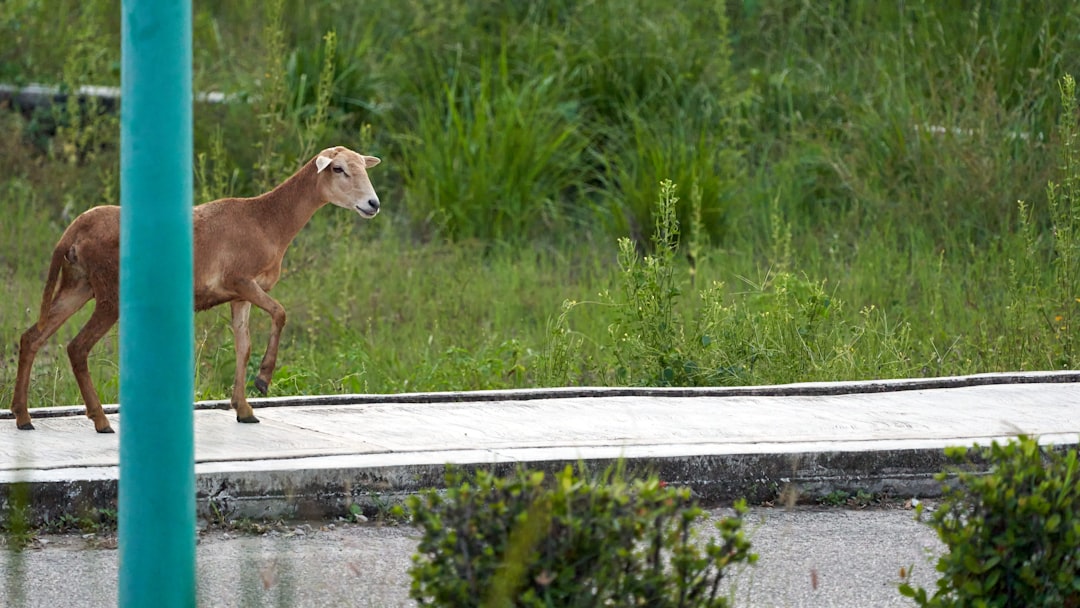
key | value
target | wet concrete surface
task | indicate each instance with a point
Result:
(809, 557)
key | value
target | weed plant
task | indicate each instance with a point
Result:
(853, 171)
(781, 329)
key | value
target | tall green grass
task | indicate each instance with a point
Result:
(493, 158)
(849, 174)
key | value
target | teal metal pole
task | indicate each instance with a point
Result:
(157, 358)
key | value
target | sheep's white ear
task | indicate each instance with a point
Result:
(371, 161)
(321, 162)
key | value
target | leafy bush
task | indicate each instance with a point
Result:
(1012, 534)
(572, 541)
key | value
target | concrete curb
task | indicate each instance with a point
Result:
(41, 95)
(320, 493)
(803, 389)
(715, 480)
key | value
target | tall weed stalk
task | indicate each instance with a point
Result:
(87, 128)
(1044, 277)
(293, 125)
(215, 176)
(272, 100)
(315, 126)
(1064, 203)
(648, 331)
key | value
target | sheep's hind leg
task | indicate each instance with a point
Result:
(242, 341)
(71, 298)
(104, 317)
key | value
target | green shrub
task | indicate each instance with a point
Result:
(524, 540)
(1012, 534)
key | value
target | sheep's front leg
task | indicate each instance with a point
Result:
(241, 311)
(251, 292)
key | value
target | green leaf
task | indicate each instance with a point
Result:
(972, 589)
(1052, 523)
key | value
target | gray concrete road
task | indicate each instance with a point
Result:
(810, 557)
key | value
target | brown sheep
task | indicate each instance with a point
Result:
(238, 247)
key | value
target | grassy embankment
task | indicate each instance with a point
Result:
(848, 174)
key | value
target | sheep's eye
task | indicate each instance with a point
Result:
(339, 170)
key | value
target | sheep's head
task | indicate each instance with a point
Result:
(343, 180)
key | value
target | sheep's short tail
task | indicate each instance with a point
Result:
(49, 293)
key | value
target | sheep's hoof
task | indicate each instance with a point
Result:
(29, 426)
(107, 429)
(248, 419)
(262, 386)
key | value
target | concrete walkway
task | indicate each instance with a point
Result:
(311, 457)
